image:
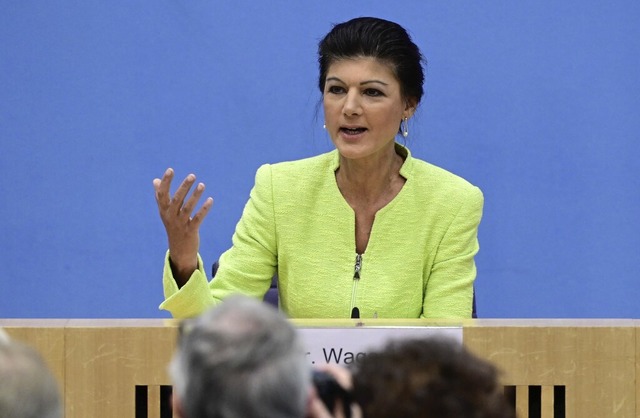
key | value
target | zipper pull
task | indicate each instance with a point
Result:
(358, 266)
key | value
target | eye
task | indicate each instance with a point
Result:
(335, 89)
(373, 92)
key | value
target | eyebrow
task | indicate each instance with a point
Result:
(362, 83)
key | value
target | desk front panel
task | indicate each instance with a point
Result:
(118, 368)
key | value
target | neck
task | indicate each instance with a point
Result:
(369, 179)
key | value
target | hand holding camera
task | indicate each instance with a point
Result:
(332, 393)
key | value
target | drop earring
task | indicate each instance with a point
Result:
(404, 127)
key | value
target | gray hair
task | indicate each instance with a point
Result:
(4, 338)
(242, 358)
(28, 389)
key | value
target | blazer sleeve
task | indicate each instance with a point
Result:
(191, 299)
(247, 267)
(449, 289)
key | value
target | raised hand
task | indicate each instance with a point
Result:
(182, 228)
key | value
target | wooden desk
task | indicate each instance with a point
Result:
(113, 368)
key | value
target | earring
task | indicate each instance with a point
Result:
(404, 127)
(324, 126)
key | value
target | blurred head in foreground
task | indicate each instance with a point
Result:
(28, 389)
(428, 378)
(242, 358)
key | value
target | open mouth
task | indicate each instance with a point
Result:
(352, 131)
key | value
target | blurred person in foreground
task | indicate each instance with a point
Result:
(28, 389)
(243, 358)
(428, 378)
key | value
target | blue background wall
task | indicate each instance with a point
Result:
(534, 101)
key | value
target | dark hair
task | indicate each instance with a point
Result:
(377, 38)
(431, 377)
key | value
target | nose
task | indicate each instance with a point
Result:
(352, 105)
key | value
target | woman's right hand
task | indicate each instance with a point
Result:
(182, 228)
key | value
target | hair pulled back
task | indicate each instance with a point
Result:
(375, 38)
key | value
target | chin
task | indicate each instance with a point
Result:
(352, 152)
(347, 147)
(359, 149)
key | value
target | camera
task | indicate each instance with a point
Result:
(330, 391)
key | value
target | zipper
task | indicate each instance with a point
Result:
(354, 289)
(358, 267)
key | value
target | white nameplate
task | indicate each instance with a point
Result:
(347, 345)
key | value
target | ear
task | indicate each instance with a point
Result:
(410, 107)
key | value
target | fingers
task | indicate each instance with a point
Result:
(196, 220)
(193, 199)
(345, 379)
(178, 197)
(176, 205)
(162, 187)
(315, 407)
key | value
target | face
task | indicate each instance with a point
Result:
(363, 107)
